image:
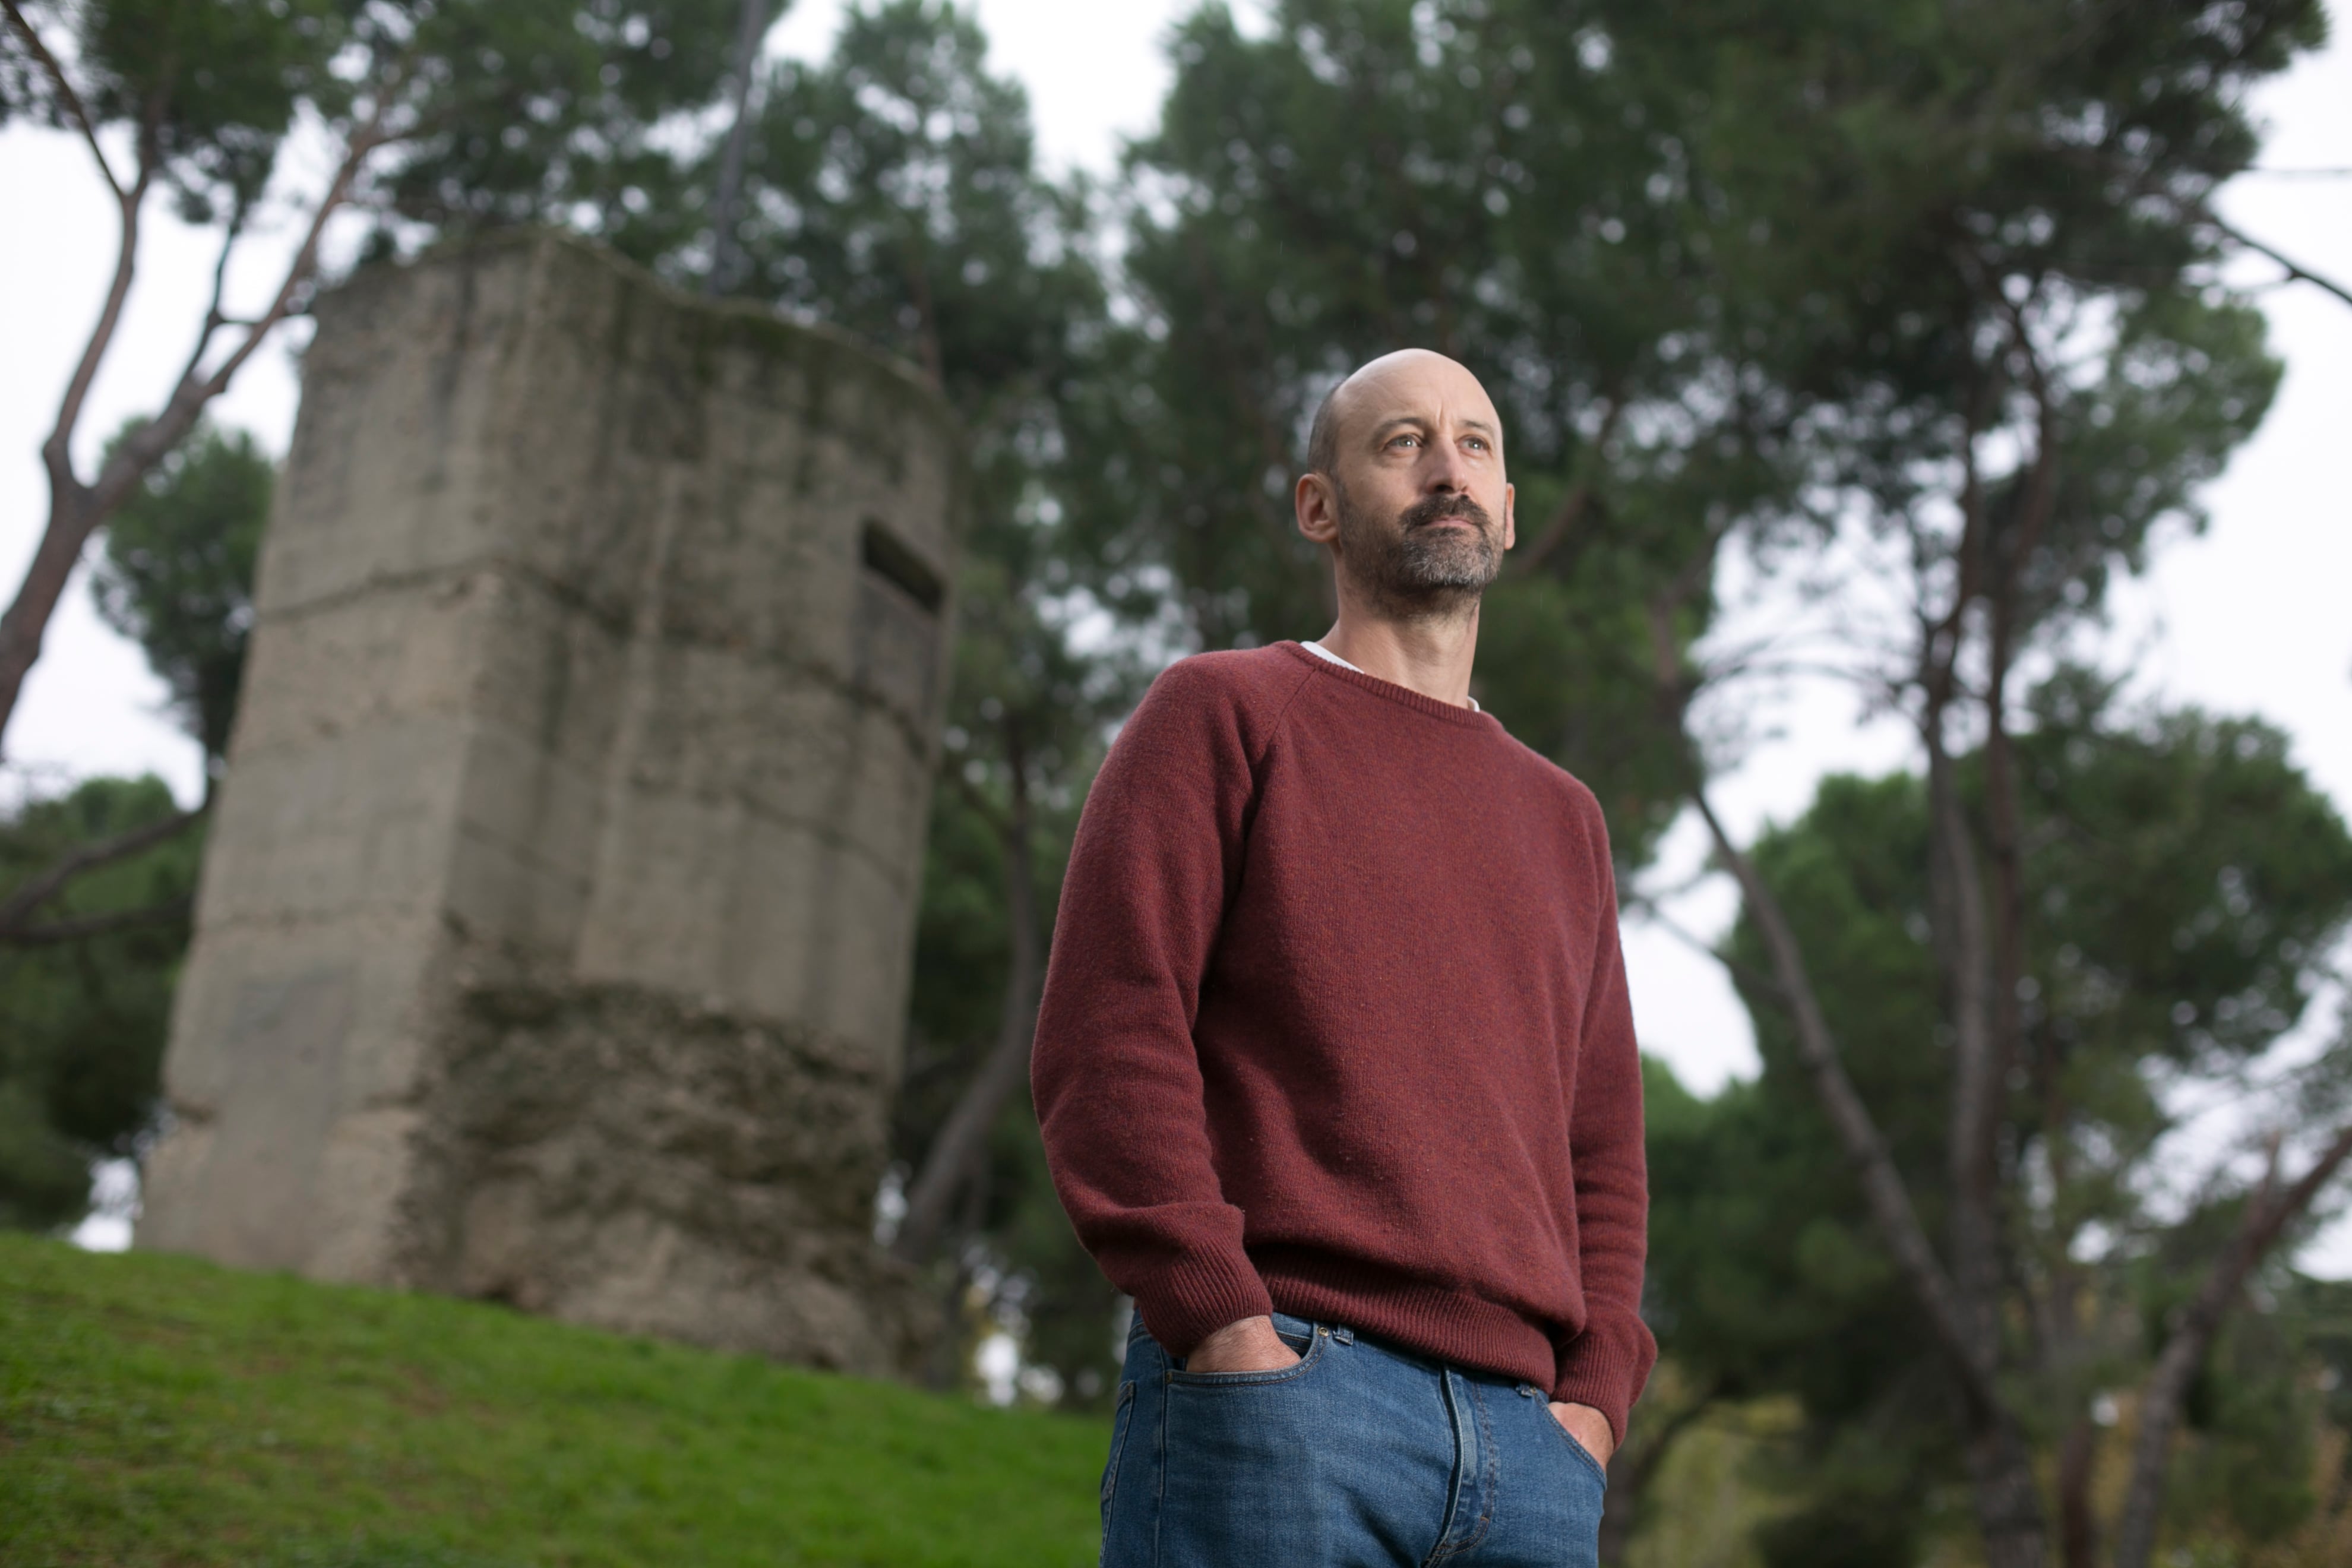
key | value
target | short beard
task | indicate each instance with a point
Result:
(1415, 573)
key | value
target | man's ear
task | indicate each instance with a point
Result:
(1316, 508)
(1510, 515)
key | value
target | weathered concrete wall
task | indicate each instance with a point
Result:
(555, 925)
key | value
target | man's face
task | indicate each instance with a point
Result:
(1417, 496)
(1440, 546)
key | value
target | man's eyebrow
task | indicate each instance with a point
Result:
(1393, 420)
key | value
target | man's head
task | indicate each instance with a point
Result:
(1406, 485)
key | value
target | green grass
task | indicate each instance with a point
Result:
(159, 1411)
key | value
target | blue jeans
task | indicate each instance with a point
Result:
(1359, 1457)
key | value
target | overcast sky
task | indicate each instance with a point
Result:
(2253, 617)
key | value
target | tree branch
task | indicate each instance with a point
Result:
(1578, 500)
(76, 510)
(2200, 210)
(164, 913)
(73, 513)
(2296, 271)
(305, 265)
(214, 318)
(56, 451)
(1988, 961)
(2267, 1215)
(957, 1151)
(1671, 687)
(1943, 640)
(66, 93)
(31, 894)
(1745, 974)
(1865, 1148)
(146, 447)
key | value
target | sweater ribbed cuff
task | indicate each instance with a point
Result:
(1605, 1367)
(1198, 1294)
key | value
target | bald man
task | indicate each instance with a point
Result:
(1336, 1067)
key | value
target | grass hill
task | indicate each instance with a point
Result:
(157, 1411)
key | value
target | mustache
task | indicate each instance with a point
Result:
(1434, 507)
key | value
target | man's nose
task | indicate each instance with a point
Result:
(1448, 472)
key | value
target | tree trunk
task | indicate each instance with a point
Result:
(961, 1149)
(950, 1363)
(2078, 1530)
(19, 903)
(2193, 1331)
(1964, 944)
(726, 246)
(2002, 1486)
(77, 509)
(72, 520)
(2009, 1506)
(1866, 1147)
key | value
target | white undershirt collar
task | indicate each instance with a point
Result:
(1319, 649)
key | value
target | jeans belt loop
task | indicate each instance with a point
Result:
(1341, 1332)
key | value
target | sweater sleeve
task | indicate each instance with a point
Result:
(1114, 1070)
(1606, 1366)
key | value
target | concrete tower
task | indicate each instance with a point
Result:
(556, 919)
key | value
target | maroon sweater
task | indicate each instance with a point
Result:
(1336, 1022)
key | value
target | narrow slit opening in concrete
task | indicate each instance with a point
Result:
(889, 557)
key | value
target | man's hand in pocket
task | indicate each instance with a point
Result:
(1250, 1346)
(1587, 1425)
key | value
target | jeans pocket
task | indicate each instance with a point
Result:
(1576, 1448)
(1310, 1352)
(1122, 1416)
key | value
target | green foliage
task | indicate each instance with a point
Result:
(1854, 1528)
(1022, 698)
(1963, 252)
(903, 201)
(161, 1411)
(1724, 272)
(177, 575)
(1767, 1288)
(2251, 1422)
(486, 111)
(82, 1023)
(213, 86)
(2196, 879)
(1473, 179)
(43, 1178)
(546, 110)
(2186, 884)
(1984, 220)
(1565, 664)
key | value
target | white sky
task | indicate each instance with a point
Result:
(2253, 617)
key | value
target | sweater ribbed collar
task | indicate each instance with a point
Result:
(1331, 665)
